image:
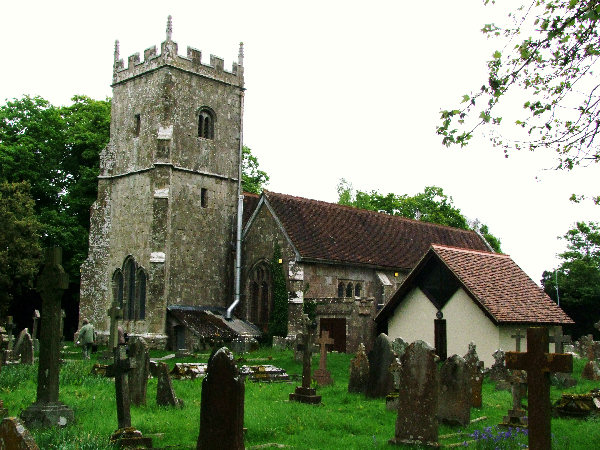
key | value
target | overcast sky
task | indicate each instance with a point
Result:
(335, 89)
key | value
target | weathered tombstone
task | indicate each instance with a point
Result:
(454, 401)
(584, 345)
(125, 435)
(440, 338)
(27, 349)
(14, 436)
(391, 400)
(399, 346)
(115, 313)
(359, 371)
(517, 337)
(322, 375)
(17, 347)
(165, 395)
(498, 371)
(475, 369)
(595, 350)
(559, 339)
(304, 393)
(138, 375)
(34, 331)
(47, 410)
(539, 364)
(418, 397)
(222, 405)
(517, 416)
(591, 371)
(380, 382)
(10, 326)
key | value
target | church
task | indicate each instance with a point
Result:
(186, 255)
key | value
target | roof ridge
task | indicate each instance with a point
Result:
(371, 212)
(467, 250)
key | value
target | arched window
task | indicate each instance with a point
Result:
(357, 290)
(206, 123)
(117, 288)
(140, 281)
(349, 290)
(260, 295)
(134, 290)
(340, 289)
(253, 301)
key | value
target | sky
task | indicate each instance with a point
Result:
(335, 89)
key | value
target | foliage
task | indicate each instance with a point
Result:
(494, 438)
(20, 249)
(253, 179)
(56, 150)
(551, 48)
(310, 309)
(279, 317)
(578, 277)
(432, 205)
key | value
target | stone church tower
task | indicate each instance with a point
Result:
(163, 227)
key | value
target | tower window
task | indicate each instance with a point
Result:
(138, 125)
(349, 290)
(204, 197)
(206, 124)
(357, 290)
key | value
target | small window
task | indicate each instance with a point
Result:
(203, 197)
(349, 290)
(206, 124)
(340, 289)
(138, 125)
(357, 290)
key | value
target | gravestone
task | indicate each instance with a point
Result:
(559, 340)
(577, 405)
(14, 436)
(517, 337)
(391, 400)
(26, 349)
(10, 326)
(34, 331)
(418, 397)
(517, 416)
(475, 369)
(380, 382)
(440, 338)
(115, 313)
(591, 371)
(498, 371)
(222, 405)
(539, 364)
(399, 346)
(322, 375)
(304, 393)
(125, 435)
(138, 375)
(359, 371)
(454, 401)
(165, 395)
(17, 347)
(584, 345)
(47, 410)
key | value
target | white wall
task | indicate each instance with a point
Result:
(413, 318)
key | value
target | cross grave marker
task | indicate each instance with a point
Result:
(539, 364)
(559, 339)
(517, 336)
(115, 313)
(304, 393)
(10, 326)
(322, 375)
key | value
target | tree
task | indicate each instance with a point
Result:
(431, 205)
(253, 179)
(578, 277)
(20, 248)
(551, 50)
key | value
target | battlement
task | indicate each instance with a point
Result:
(169, 56)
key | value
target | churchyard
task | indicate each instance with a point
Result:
(341, 420)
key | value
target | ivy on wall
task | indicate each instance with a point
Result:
(278, 321)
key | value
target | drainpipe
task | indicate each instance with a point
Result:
(240, 208)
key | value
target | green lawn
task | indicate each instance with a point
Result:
(343, 420)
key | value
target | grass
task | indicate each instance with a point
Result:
(343, 420)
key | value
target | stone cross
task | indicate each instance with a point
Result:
(34, 334)
(559, 339)
(10, 326)
(119, 370)
(305, 393)
(539, 364)
(115, 314)
(322, 375)
(517, 336)
(51, 284)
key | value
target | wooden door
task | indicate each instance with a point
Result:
(337, 331)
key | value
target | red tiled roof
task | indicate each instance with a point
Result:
(337, 233)
(501, 286)
(250, 204)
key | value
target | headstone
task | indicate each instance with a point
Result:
(17, 347)
(594, 350)
(539, 364)
(399, 346)
(322, 375)
(517, 416)
(591, 371)
(498, 371)
(10, 326)
(391, 400)
(27, 349)
(475, 369)
(47, 410)
(380, 382)
(34, 333)
(138, 375)
(440, 338)
(559, 340)
(222, 405)
(418, 397)
(584, 345)
(359, 371)
(125, 435)
(115, 314)
(304, 393)
(245, 344)
(14, 436)
(517, 337)
(165, 395)
(577, 405)
(454, 401)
